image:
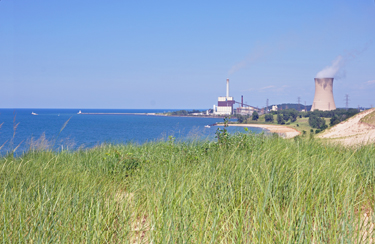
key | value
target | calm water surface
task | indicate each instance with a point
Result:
(91, 130)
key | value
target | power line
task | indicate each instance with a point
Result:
(299, 101)
(347, 101)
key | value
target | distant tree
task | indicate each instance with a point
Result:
(280, 119)
(268, 118)
(293, 115)
(286, 114)
(334, 120)
(317, 122)
(241, 118)
(255, 115)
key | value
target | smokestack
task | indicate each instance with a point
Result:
(227, 88)
(323, 99)
(241, 100)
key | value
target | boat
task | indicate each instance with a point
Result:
(207, 126)
(79, 112)
(34, 113)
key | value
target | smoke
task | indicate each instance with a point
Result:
(251, 58)
(336, 70)
(331, 71)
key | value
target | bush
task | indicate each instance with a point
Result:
(255, 116)
(317, 122)
(268, 118)
(280, 119)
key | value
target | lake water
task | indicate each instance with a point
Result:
(21, 128)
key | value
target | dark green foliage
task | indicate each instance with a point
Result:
(289, 114)
(341, 113)
(280, 119)
(255, 116)
(184, 112)
(222, 135)
(317, 122)
(268, 118)
(241, 118)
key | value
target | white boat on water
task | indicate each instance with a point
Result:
(79, 112)
(34, 113)
(207, 126)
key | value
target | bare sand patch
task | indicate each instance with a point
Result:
(283, 131)
(352, 131)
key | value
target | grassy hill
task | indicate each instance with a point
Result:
(246, 188)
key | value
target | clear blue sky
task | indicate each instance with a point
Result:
(178, 54)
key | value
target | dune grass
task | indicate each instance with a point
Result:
(369, 119)
(248, 189)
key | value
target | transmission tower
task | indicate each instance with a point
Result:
(267, 106)
(347, 101)
(305, 107)
(299, 104)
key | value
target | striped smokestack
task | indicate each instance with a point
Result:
(227, 88)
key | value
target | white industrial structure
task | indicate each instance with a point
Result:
(323, 99)
(224, 104)
(245, 110)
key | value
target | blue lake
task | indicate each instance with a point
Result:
(21, 128)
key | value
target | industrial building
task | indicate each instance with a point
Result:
(245, 109)
(323, 99)
(224, 104)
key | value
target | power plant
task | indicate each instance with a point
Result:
(323, 99)
(225, 105)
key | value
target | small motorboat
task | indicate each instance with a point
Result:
(34, 113)
(207, 126)
(79, 112)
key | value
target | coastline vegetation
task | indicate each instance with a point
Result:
(315, 121)
(242, 188)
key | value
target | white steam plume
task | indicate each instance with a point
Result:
(331, 71)
(251, 58)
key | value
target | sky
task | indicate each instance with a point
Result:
(178, 54)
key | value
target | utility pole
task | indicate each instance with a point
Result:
(347, 101)
(299, 102)
(267, 106)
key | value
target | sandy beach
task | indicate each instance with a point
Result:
(283, 131)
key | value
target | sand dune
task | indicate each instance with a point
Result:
(352, 131)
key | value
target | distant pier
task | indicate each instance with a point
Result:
(118, 113)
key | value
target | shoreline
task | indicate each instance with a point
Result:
(156, 114)
(282, 130)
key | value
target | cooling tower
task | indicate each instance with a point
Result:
(323, 99)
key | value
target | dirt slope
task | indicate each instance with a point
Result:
(352, 131)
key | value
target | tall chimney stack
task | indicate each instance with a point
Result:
(241, 100)
(227, 88)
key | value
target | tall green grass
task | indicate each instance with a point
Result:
(250, 189)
